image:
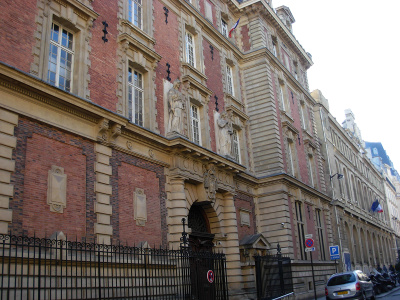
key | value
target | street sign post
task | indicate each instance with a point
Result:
(310, 247)
(334, 253)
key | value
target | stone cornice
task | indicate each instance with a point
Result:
(135, 43)
(283, 178)
(38, 90)
(81, 8)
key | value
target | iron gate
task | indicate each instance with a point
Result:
(34, 268)
(273, 276)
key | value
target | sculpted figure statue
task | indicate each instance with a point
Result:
(176, 107)
(225, 131)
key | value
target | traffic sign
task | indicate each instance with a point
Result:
(309, 243)
(309, 249)
(334, 252)
(210, 276)
(308, 236)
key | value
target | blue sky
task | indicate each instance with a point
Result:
(355, 46)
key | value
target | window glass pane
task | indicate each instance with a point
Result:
(189, 49)
(224, 28)
(130, 75)
(55, 32)
(135, 96)
(235, 146)
(195, 124)
(135, 12)
(60, 58)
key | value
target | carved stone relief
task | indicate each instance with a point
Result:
(210, 183)
(57, 189)
(140, 207)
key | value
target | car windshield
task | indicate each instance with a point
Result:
(341, 279)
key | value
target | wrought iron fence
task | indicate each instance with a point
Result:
(34, 268)
(273, 276)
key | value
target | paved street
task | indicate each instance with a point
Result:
(393, 294)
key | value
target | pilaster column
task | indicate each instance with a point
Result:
(176, 210)
(103, 189)
(8, 142)
(231, 244)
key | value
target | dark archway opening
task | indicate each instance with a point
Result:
(201, 238)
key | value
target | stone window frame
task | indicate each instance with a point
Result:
(199, 95)
(236, 152)
(311, 166)
(296, 70)
(292, 163)
(131, 12)
(233, 96)
(198, 120)
(132, 103)
(190, 49)
(275, 46)
(197, 69)
(77, 17)
(135, 55)
(146, 27)
(224, 27)
(284, 103)
(60, 49)
(229, 80)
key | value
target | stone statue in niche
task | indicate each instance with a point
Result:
(57, 189)
(210, 183)
(225, 134)
(140, 207)
(176, 108)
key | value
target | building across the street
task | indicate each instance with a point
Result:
(131, 122)
(364, 234)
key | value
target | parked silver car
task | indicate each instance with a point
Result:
(349, 285)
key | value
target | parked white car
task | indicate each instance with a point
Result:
(349, 285)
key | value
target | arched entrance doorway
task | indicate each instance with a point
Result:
(201, 238)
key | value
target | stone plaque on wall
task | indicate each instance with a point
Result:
(140, 207)
(244, 218)
(57, 189)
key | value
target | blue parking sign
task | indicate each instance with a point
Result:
(334, 251)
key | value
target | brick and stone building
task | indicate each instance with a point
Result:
(365, 238)
(377, 154)
(119, 118)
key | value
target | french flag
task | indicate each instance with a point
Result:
(233, 28)
(376, 207)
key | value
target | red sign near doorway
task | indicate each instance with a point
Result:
(210, 276)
